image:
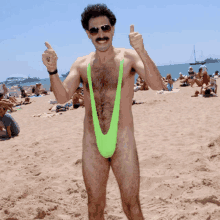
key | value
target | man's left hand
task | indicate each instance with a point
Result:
(136, 41)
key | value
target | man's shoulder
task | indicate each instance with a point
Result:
(131, 54)
(84, 59)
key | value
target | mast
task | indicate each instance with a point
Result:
(194, 54)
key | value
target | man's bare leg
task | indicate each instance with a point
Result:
(125, 166)
(95, 173)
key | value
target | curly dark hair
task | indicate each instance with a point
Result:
(93, 11)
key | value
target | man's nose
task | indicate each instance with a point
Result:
(101, 33)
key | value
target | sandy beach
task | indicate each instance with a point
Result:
(178, 143)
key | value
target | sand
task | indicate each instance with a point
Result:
(178, 145)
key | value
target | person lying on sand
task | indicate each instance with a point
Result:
(7, 121)
(186, 81)
(196, 94)
(6, 102)
(12, 101)
(134, 102)
(210, 89)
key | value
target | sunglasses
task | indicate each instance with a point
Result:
(106, 28)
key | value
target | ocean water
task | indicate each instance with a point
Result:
(174, 70)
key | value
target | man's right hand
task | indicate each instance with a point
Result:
(49, 58)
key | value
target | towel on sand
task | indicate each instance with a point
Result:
(168, 92)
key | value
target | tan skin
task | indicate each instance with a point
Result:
(169, 79)
(105, 64)
(78, 98)
(3, 110)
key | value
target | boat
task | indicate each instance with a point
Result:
(11, 81)
(65, 75)
(30, 79)
(211, 60)
(197, 62)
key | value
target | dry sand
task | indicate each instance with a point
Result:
(178, 143)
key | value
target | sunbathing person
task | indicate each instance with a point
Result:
(191, 73)
(134, 102)
(205, 79)
(216, 74)
(198, 77)
(196, 94)
(5, 92)
(142, 85)
(78, 99)
(39, 91)
(212, 87)
(7, 121)
(181, 76)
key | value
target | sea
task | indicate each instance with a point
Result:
(174, 70)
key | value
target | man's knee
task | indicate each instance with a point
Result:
(96, 206)
(131, 203)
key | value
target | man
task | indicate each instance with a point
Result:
(7, 122)
(108, 81)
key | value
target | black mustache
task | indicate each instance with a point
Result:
(104, 38)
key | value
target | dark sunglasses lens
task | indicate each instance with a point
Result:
(94, 31)
(106, 28)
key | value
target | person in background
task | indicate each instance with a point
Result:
(39, 91)
(142, 83)
(205, 79)
(7, 121)
(78, 98)
(169, 82)
(181, 76)
(6, 93)
(191, 73)
(216, 74)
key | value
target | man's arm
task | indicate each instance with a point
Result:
(148, 71)
(63, 91)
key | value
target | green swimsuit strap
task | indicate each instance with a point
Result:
(106, 143)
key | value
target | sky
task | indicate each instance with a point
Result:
(170, 29)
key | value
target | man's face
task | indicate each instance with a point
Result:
(103, 39)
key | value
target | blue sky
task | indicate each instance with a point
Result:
(170, 30)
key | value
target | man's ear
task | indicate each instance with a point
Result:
(113, 29)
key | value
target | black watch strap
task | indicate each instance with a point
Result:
(51, 73)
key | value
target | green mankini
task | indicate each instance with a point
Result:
(106, 143)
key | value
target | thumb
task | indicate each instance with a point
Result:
(131, 28)
(48, 45)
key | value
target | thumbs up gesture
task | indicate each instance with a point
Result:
(49, 58)
(136, 40)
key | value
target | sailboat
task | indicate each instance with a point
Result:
(197, 62)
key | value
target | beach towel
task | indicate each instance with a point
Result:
(52, 101)
(168, 92)
(33, 96)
